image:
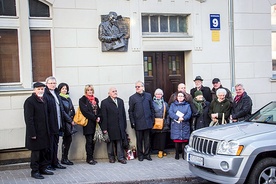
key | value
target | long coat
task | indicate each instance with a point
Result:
(89, 113)
(220, 108)
(114, 118)
(180, 131)
(35, 115)
(141, 112)
(200, 120)
(68, 115)
(52, 110)
(243, 108)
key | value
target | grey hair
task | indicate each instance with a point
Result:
(237, 85)
(50, 78)
(221, 90)
(140, 83)
(158, 91)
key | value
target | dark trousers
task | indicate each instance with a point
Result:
(54, 139)
(159, 141)
(89, 147)
(39, 160)
(66, 143)
(143, 143)
(115, 146)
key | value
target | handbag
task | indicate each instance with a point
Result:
(99, 136)
(79, 118)
(215, 123)
(159, 122)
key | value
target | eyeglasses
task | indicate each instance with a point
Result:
(115, 91)
(138, 86)
(51, 83)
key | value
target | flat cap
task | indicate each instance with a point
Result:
(38, 84)
(215, 80)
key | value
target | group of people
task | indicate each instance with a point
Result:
(49, 114)
(189, 112)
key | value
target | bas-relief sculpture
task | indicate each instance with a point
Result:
(114, 33)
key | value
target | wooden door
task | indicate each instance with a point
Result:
(164, 70)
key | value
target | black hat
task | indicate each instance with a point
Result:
(215, 80)
(38, 84)
(198, 78)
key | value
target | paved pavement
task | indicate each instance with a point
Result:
(156, 171)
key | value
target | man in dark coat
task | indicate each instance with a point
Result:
(181, 87)
(141, 115)
(206, 91)
(114, 123)
(37, 131)
(55, 116)
(217, 85)
(241, 106)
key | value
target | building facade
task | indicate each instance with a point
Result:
(170, 41)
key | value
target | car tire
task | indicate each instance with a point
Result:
(263, 172)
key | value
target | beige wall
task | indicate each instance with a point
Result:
(78, 60)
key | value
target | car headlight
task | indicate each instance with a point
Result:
(229, 148)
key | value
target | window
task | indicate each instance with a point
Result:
(11, 45)
(164, 24)
(41, 54)
(148, 66)
(9, 61)
(38, 9)
(7, 8)
(273, 40)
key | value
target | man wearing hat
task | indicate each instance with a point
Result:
(37, 131)
(216, 85)
(199, 87)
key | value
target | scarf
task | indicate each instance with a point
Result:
(238, 98)
(64, 95)
(91, 99)
(159, 102)
(199, 105)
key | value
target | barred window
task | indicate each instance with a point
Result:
(164, 24)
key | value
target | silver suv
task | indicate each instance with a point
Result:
(243, 152)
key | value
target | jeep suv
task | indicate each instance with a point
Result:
(242, 152)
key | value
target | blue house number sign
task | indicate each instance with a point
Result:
(214, 21)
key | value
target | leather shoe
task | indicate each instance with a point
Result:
(111, 161)
(122, 161)
(37, 175)
(50, 168)
(46, 172)
(66, 162)
(140, 159)
(58, 166)
(92, 162)
(148, 158)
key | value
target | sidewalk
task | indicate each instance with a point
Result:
(155, 171)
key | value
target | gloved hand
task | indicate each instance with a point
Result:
(132, 125)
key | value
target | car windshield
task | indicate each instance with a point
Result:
(266, 114)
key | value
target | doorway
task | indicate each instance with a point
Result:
(164, 70)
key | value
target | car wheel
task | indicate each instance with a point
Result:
(263, 172)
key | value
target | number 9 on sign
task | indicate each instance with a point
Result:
(215, 21)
